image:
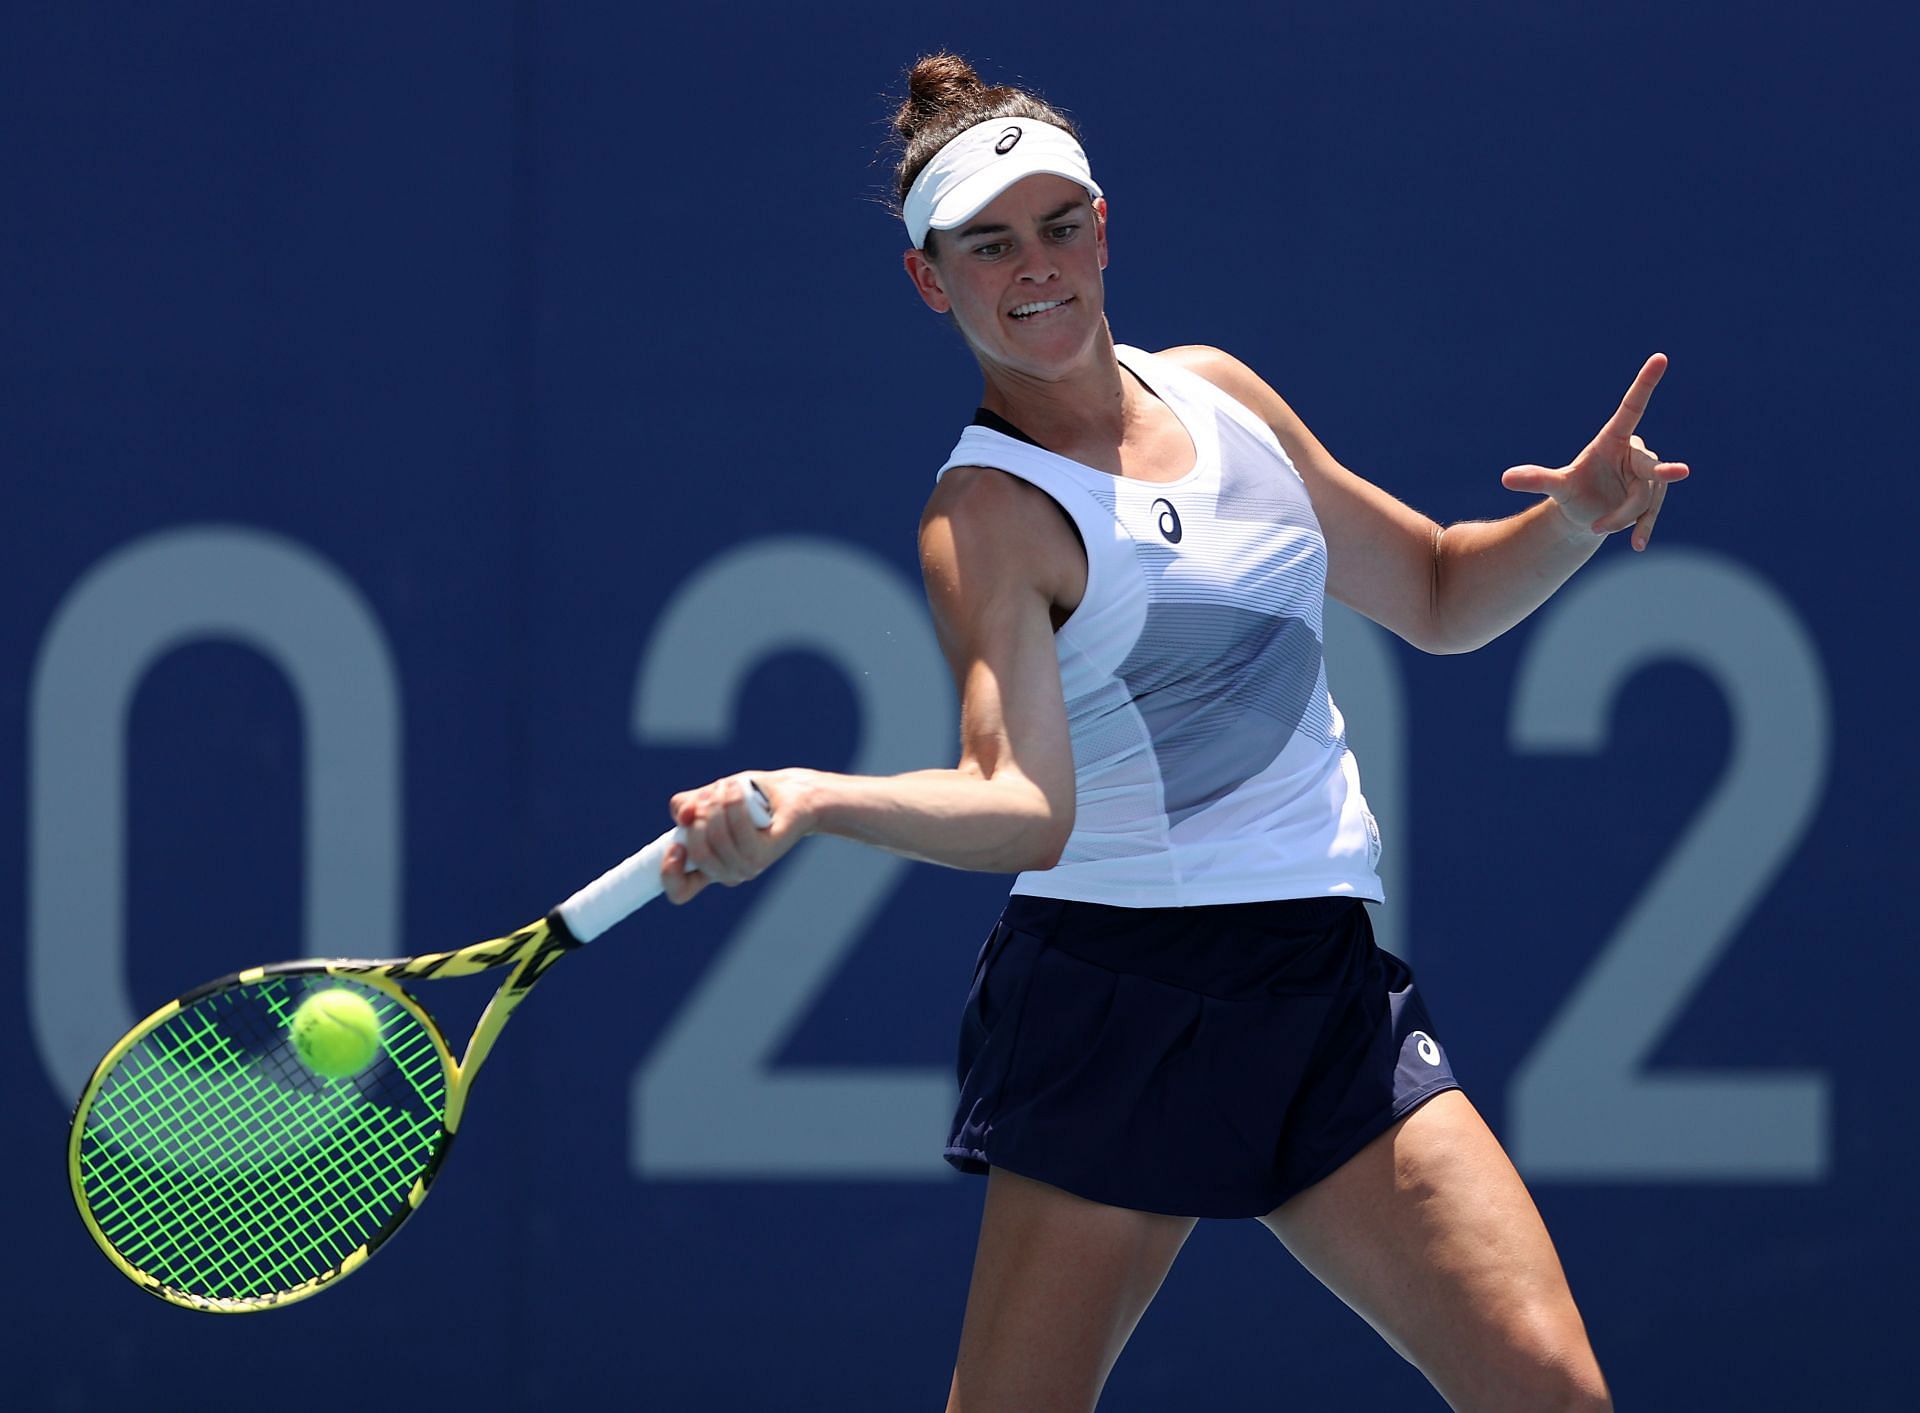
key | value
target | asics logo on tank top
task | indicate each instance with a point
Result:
(1424, 1044)
(1009, 140)
(1167, 519)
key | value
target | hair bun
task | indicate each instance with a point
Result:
(935, 83)
(944, 98)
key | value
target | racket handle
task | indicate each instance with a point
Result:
(635, 882)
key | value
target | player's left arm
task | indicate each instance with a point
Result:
(1450, 589)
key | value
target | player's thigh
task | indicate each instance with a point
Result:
(1430, 1235)
(1058, 1284)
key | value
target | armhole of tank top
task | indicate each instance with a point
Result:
(1201, 389)
(1254, 426)
(1086, 556)
(1174, 387)
(1155, 374)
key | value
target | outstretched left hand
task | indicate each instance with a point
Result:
(1616, 481)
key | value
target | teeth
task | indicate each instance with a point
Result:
(1024, 310)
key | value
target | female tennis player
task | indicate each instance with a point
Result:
(1182, 1012)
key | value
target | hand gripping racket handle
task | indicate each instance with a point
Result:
(632, 884)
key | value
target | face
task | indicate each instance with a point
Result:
(1022, 278)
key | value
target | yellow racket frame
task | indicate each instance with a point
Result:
(530, 951)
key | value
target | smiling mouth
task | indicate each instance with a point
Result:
(1041, 306)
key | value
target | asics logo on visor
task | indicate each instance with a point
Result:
(1008, 141)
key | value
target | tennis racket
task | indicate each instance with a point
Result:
(220, 1173)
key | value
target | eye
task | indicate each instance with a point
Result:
(992, 250)
(1065, 232)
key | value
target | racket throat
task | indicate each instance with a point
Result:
(547, 944)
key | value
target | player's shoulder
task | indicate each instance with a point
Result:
(981, 492)
(1220, 368)
(1202, 358)
(1001, 529)
(1239, 382)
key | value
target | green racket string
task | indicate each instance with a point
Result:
(214, 1161)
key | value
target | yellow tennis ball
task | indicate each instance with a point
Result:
(336, 1032)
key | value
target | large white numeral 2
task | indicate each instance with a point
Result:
(1583, 1105)
(707, 1101)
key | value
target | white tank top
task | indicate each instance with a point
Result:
(1210, 763)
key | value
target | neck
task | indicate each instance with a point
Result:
(1092, 402)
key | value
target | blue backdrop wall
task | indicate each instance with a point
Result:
(430, 435)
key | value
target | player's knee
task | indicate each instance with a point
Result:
(1569, 1382)
(1572, 1386)
(1582, 1395)
(1552, 1369)
(1595, 1399)
(1545, 1389)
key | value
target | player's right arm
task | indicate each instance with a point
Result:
(999, 560)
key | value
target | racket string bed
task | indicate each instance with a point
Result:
(190, 1241)
(187, 1228)
(178, 1224)
(257, 1222)
(231, 1171)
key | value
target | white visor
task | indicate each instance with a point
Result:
(970, 171)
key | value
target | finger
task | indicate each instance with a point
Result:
(686, 887)
(685, 808)
(692, 811)
(742, 836)
(1540, 480)
(1634, 404)
(1643, 527)
(1646, 464)
(1628, 511)
(691, 807)
(715, 847)
(678, 884)
(741, 807)
(730, 834)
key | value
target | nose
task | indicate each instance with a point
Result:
(1037, 265)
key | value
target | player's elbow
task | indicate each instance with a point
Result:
(1427, 630)
(1445, 627)
(1455, 628)
(1049, 849)
(1026, 823)
(1443, 640)
(1043, 839)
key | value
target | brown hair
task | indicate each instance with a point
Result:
(944, 98)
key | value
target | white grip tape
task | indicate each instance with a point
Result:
(635, 882)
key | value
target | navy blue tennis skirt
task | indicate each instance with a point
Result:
(1204, 1062)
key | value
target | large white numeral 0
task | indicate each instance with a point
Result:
(1583, 1106)
(1365, 681)
(132, 609)
(708, 1102)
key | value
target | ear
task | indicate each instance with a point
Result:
(926, 281)
(1100, 227)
